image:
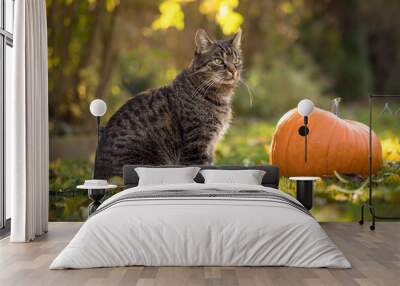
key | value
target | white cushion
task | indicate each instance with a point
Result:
(165, 176)
(247, 177)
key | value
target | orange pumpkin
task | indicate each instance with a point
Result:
(334, 144)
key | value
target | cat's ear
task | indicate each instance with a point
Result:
(236, 39)
(203, 41)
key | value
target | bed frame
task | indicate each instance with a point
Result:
(270, 179)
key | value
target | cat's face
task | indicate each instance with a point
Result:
(218, 62)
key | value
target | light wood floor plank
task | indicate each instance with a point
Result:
(375, 257)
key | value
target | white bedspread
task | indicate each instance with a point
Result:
(200, 231)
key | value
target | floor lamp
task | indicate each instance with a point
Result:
(97, 108)
(369, 204)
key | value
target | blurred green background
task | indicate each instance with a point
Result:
(292, 50)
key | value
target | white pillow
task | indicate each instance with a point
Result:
(248, 177)
(165, 176)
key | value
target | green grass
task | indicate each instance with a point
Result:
(246, 143)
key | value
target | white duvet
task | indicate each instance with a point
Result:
(200, 231)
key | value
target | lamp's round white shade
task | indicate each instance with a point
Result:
(305, 107)
(98, 107)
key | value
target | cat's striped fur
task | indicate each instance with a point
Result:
(177, 124)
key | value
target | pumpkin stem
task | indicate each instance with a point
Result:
(335, 105)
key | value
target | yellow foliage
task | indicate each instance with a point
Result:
(230, 21)
(111, 4)
(393, 179)
(391, 149)
(223, 13)
(171, 15)
(341, 197)
(115, 90)
(211, 7)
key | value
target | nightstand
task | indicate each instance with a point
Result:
(304, 190)
(95, 193)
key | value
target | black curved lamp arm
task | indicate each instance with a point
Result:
(305, 138)
(303, 131)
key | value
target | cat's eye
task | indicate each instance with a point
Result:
(236, 61)
(218, 62)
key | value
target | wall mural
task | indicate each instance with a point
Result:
(177, 94)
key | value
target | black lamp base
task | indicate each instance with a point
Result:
(304, 193)
(95, 195)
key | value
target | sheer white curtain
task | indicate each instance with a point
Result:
(27, 124)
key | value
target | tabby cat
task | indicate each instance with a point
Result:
(178, 124)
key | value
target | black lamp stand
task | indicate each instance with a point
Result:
(95, 195)
(99, 131)
(369, 205)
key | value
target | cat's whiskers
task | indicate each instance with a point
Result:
(201, 86)
(210, 85)
(249, 91)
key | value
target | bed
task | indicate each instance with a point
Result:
(198, 224)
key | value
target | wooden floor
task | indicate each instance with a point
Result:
(375, 257)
